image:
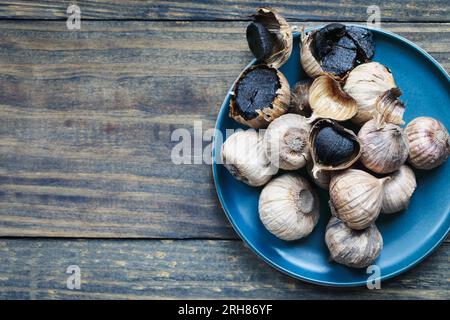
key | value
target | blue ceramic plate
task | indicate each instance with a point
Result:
(409, 236)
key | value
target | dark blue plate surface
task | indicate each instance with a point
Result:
(409, 236)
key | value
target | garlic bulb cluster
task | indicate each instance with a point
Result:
(356, 197)
(366, 83)
(398, 189)
(384, 150)
(244, 156)
(289, 207)
(429, 143)
(286, 142)
(353, 248)
(307, 127)
(328, 100)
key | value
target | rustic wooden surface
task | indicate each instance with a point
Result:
(85, 124)
(167, 269)
(304, 10)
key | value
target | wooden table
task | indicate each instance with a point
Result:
(85, 141)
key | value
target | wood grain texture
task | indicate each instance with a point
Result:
(153, 269)
(353, 10)
(86, 120)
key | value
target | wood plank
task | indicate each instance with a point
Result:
(86, 119)
(153, 269)
(303, 10)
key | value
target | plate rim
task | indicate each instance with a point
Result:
(214, 164)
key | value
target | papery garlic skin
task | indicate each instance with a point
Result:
(244, 156)
(289, 207)
(390, 108)
(384, 150)
(322, 178)
(356, 197)
(328, 100)
(429, 143)
(282, 33)
(309, 63)
(366, 83)
(286, 142)
(397, 191)
(353, 248)
(300, 98)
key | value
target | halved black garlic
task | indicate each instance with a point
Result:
(335, 50)
(332, 146)
(260, 95)
(269, 37)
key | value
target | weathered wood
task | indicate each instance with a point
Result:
(354, 10)
(86, 119)
(153, 269)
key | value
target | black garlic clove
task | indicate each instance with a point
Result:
(363, 39)
(260, 41)
(342, 57)
(326, 38)
(333, 148)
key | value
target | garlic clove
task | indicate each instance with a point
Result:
(270, 38)
(384, 150)
(328, 100)
(260, 95)
(289, 207)
(300, 98)
(366, 83)
(389, 108)
(332, 146)
(356, 197)
(353, 248)
(286, 142)
(260, 41)
(429, 143)
(244, 157)
(397, 191)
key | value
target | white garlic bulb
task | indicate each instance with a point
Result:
(429, 143)
(286, 142)
(289, 207)
(353, 248)
(384, 150)
(244, 157)
(397, 191)
(366, 83)
(356, 197)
